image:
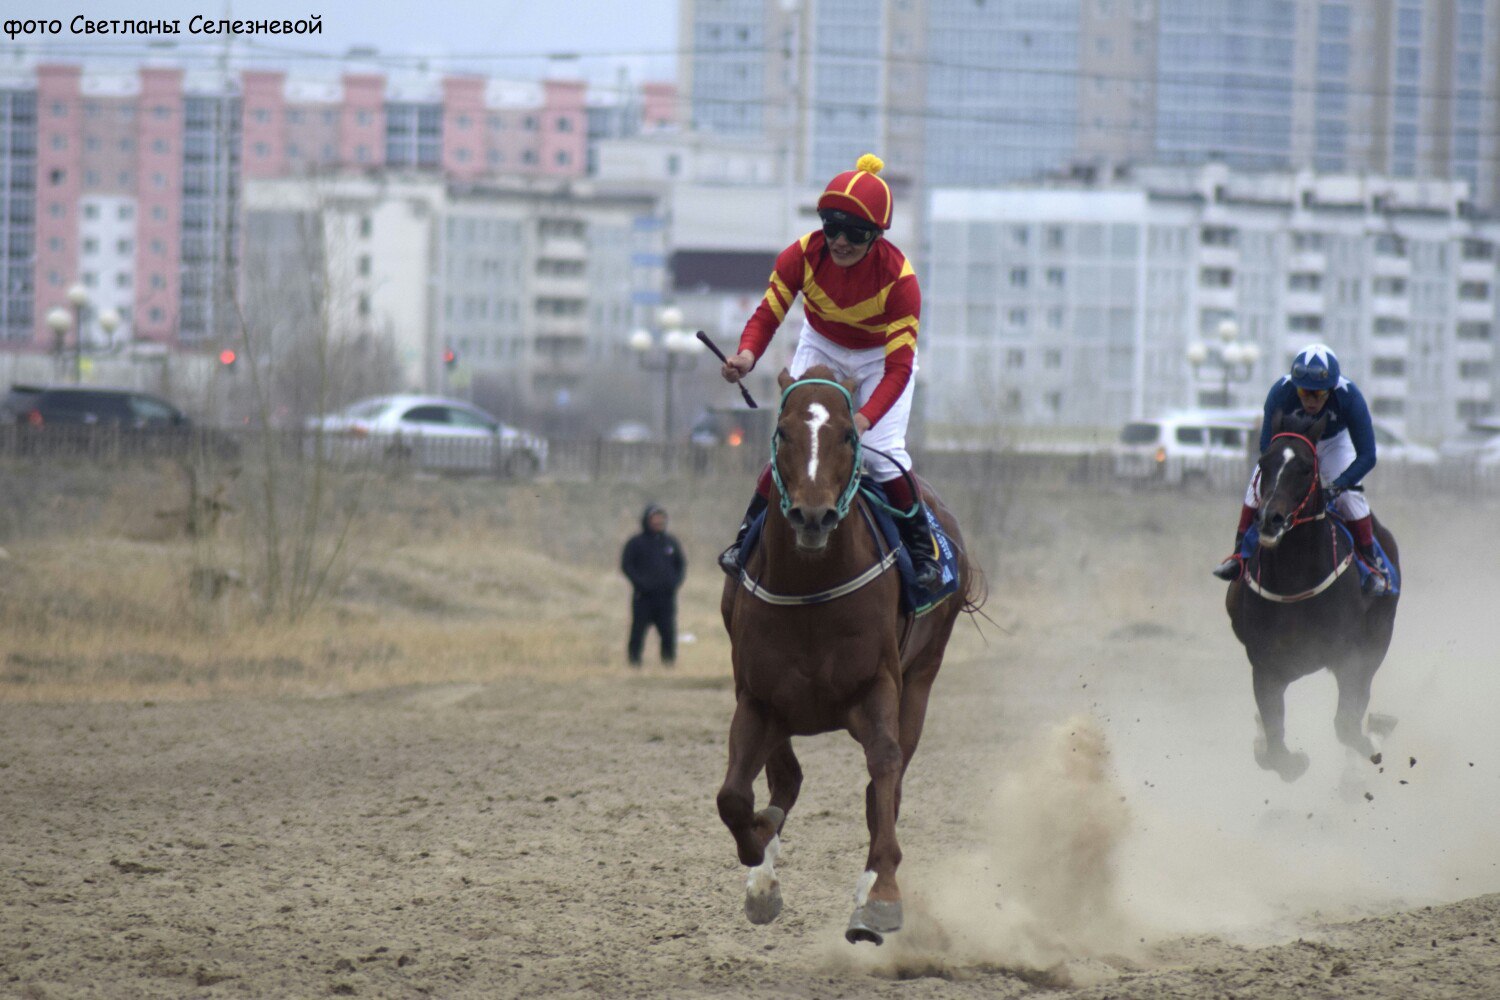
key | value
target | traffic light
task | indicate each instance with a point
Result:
(450, 358)
(227, 358)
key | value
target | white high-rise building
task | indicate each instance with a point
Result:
(1082, 305)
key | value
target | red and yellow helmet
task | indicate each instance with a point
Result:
(860, 192)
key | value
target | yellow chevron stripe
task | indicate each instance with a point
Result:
(853, 314)
(772, 300)
(905, 340)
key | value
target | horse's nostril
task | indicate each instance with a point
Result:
(796, 516)
(830, 518)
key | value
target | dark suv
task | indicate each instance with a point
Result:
(45, 406)
(104, 422)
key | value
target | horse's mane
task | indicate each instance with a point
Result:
(819, 371)
(1300, 422)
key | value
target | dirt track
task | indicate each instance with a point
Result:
(1084, 815)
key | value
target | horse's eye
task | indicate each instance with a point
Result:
(852, 437)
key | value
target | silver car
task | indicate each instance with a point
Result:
(426, 432)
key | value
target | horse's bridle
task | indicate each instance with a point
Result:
(846, 498)
(1312, 489)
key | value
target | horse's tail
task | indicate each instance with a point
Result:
(976, 587)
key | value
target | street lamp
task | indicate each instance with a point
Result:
(1235, 358)
(109, 321)
(59, 320)
(79, 297)
(676, 350)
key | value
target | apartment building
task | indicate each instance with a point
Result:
(533, 285)
(1090, 304)
(128, 180)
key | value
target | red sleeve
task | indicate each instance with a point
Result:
(785, 283)
(904, 306)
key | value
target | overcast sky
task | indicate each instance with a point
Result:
(498, 37)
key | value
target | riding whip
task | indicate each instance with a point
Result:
(720, 355)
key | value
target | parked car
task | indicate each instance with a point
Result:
(67, 415)
(429, 432)
(734, 426)
(1478, 443)
(630, 432)
(1392, 447)
(65, 405)
(1191, 444)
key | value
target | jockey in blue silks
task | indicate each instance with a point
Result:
(1346, 452)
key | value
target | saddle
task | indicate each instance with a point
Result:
(1387, 569)
(881, 524)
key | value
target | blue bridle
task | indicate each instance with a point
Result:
(846, 498)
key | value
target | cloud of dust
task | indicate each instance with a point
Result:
(1147, 817)
(1039, 894)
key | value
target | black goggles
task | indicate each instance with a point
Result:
(858, 235)
(1315, 371)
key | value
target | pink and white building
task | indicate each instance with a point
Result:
(129, 181)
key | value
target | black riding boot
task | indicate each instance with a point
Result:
(729, 559)
(1230, 568)
(916, 535)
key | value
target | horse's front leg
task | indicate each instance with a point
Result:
(752, 738)
(1270, 697)
(875, 724)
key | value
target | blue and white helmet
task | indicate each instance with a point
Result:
(1315, 368)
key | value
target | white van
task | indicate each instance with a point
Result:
(1174, 448)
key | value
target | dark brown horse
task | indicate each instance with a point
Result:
(1298, 607)
(819, 644)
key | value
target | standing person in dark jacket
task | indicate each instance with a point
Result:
(655, 566)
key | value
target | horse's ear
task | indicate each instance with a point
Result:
(1277, 419)
(785, 379)
(1315, 432)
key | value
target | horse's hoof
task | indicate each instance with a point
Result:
(873, 921)
(1381, 725)
(1292, 767)
(763, 902)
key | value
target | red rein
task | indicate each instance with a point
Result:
(1312, 487)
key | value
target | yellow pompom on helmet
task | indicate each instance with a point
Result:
(860, 192)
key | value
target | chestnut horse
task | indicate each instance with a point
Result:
(820, 644)
(1297, 605)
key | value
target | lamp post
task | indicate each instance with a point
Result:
(79, 297)
(58, 320)
(109, 322)
(1234, 358)
(676, 350)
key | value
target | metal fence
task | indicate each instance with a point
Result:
(596, 460)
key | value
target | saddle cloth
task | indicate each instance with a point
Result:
(1391, 574)
(882, 526)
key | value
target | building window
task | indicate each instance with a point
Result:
(1393, 367)
(1052, 358)
(1018, 277)
(1474, 369)
(365, 226)
(364, 305)
(1474, 291)
(1473, 331)
(364, 265)
(1015, 358)
(126, 213)
(1216, 277)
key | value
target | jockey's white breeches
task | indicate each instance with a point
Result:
(1335, 454)
(867, 367)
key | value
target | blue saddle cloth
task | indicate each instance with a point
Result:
(914, 601)
(1392, 575)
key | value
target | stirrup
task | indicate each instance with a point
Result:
(729, 560)
(927, 575)
(1229, 569)
(1375, 584)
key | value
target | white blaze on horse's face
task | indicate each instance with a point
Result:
(1270, 539)
(816, 418)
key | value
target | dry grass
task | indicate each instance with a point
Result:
(475, 581)
(448, 581)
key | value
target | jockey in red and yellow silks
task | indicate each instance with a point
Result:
(862, 308)
(876, 304)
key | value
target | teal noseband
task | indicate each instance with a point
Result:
(852, 487)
